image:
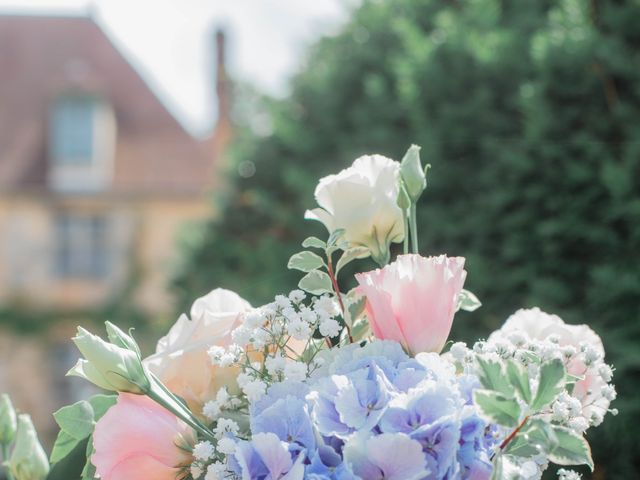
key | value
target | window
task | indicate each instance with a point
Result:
(82, 140)
(72, 130)
(81, 246)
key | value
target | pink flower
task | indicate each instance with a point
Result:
(413, 300)
(137, 438)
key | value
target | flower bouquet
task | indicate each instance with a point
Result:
(326, 384)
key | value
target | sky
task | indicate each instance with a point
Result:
(170, 42)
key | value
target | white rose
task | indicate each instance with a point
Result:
(181, 360)
(539, 325)
(362, 199)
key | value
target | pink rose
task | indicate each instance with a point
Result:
(413, 300)
(137, 438)
(181, 360)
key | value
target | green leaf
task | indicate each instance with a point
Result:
(335, 236)
(89, 470)
(360, 330)
(571, 449)
(533, 439)
(63, 446)
(354, 306)
(497, 408)
(305, 261)
(316, 282)
(467, 301)
(314, 242)
(101, 403)
(70, 466)
(519, 380)
(493, 377)
(551, 383)
(76, 420)
(350, 255)
(498, 469)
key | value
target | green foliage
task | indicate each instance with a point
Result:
(507, 400)
(73, 448)
(497, 408)
(551, 383)
(529, 113)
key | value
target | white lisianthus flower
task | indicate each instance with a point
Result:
(362, 199)
(109, 366)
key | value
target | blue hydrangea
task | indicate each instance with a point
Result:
(370, 412)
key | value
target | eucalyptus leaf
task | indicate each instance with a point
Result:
(316, 282)
(314, 242)
(305, 261)
(497, 408)
(350, 255)
(550, 384)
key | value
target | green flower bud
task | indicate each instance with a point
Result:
(28, 461)
(109, 366)
(8, 422)
(121, 339)
(413, 176)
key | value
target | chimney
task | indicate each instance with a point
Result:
(222, 132)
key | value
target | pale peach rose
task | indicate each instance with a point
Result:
(181, 361)
(137, 438)
(413, 300)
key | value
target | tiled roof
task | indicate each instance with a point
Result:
(42, 57)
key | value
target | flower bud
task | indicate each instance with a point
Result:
(109, 366)
(8, 421)
(413, 176)
(28, 461)
(121, 339)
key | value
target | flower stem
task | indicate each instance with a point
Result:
(511, 436)
(405, 243)
(336, 289)
(181, 413)
(413, 227)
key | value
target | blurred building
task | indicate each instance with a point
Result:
(97, 179)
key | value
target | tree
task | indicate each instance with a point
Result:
(529, 113)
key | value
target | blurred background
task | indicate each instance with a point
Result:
(152, 151)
